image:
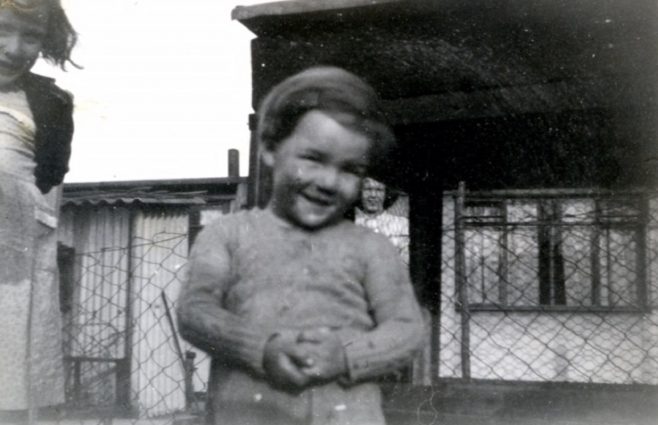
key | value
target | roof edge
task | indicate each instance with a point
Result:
(126, 184)
(291, 7)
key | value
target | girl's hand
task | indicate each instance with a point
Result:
(284, 360)
(327, 354)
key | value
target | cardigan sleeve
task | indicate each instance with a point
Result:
(399, 328)
(202, 320)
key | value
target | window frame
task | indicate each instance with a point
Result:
(550, 221)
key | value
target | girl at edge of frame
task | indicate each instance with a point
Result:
(36, 128)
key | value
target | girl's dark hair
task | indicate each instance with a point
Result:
(344, 96)
(60, 37)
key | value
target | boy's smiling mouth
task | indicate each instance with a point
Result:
(319, 200)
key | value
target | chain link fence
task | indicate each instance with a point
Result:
(550, 286)
(123, 356)
(555, 286)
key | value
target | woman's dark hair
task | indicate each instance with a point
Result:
(342, 95)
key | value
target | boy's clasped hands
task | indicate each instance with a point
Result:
(295, 359)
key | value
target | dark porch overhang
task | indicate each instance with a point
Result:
(446, 67)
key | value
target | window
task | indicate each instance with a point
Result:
(540, 251)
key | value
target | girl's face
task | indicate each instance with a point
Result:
(21, 36)
(317, 171)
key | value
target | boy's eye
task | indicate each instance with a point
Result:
(310, 157)
(357, 170)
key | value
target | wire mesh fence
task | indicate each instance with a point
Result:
(536, 286)
(550, 286)
(123, 356)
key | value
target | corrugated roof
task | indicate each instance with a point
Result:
(141, 195)
(177, 192)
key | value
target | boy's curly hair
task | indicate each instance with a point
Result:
(60, 37)
(344, 96)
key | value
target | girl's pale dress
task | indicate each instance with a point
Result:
(30, 330)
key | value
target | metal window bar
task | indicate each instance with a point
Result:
(550, 225)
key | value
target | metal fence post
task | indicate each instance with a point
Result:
(124, 366)
(642, 288)
(189, 384)
(460, 277)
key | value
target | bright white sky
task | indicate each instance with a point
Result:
(165, 90)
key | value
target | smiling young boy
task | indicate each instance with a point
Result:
(301, 309)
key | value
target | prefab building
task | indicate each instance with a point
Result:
(527, 146)
(123, 248)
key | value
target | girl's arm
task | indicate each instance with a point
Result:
(399, 331)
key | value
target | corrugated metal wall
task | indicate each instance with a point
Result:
(97, 324)
(101, 239)
(126, 257)
(111, 243)
(160, 245)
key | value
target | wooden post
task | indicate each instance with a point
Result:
(425, 231)
(189, 382)
(258, 176)
(233, 163)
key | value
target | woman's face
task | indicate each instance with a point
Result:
(372, 196)
(21, 38)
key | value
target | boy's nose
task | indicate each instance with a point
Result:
(328, 179)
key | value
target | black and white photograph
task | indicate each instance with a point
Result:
(328, 212)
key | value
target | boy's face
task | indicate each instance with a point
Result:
(317, 171)
(21, 37)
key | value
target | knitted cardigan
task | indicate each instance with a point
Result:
(52, 109)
